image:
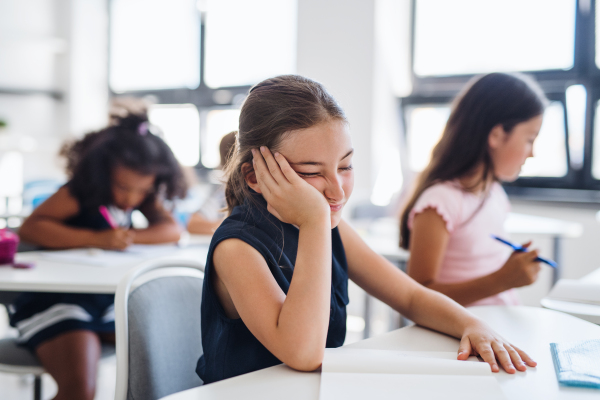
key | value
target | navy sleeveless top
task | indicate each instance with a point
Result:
(230, 349)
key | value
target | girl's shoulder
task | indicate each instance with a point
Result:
(445, 188)
(446, 198)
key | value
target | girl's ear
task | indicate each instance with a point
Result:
(496, 137)
(250, 177)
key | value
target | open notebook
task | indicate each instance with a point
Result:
(109, 258)
(359, 374)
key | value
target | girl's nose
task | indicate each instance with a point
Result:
(334, 190)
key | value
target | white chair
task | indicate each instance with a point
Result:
(157, 321)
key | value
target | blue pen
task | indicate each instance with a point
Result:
(516, 247)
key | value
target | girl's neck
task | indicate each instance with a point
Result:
(476, 182)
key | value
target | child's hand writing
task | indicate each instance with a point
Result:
(520, 269)
(115, 239)
(289, 197)
(480, 340)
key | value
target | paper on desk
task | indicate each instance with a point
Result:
(109, 258)
(382, 374)
(399, 362)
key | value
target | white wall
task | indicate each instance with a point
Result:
(336, 42)
(53, 45)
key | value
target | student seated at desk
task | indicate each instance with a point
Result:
(276, 277)
(124, 168)
(210, 215)
(458, 202)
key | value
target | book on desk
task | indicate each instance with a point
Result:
(383, 374)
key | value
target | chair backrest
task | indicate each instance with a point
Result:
(158, 334)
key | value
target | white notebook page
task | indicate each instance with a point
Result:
(361, 374)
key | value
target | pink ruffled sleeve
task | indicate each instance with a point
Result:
(445, 199)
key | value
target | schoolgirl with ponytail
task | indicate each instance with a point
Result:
(276, 276)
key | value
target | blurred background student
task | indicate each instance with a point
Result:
(123, 167)
(458, 202)
(210, 215)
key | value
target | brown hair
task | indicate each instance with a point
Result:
(485, 102)
(226, 146)
(274, 108)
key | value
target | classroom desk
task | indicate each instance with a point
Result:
(588, 312)
(55, 276)
(530, 328)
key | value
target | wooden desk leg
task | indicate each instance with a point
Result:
(557, 254)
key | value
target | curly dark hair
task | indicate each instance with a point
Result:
(127, 143)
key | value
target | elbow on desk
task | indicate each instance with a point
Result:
(304, 361)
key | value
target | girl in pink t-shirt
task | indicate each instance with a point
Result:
(458, 202)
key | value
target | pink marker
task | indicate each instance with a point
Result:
(106, 214)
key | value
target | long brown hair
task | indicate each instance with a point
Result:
(487, 101)
(274, 108)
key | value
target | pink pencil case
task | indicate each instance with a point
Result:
(8, 246)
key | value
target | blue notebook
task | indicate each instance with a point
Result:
(577, 363)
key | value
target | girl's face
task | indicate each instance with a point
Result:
(510, 150)
(130, 188)
(322, 156)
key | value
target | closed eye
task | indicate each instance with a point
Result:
(307, 174)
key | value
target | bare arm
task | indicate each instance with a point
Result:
(294, 326)
(162, 226)
(426, 307)
(45, 226)
(202, 226)
(428, 242)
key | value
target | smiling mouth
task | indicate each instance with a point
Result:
(336, 207)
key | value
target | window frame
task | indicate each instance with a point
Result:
(571, 187)
(202, 97)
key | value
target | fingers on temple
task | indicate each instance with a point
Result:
(488, 356)
(263, 176)
(286, 169)
(503, 357)
(272, 164)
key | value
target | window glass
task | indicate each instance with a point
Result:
(180, 125)
(154, 44)
(218, 123)
(425, 125)
(248, 41)
(473, 36)
(596, 148)
(576, 96)
(549, 149)
(597, 19)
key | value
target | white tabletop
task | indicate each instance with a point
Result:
(533, 329)
(589, 312)
(56, 276)
(534, 225)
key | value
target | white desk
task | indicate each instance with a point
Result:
(54, 276)
(588, 312)
(530, 328)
